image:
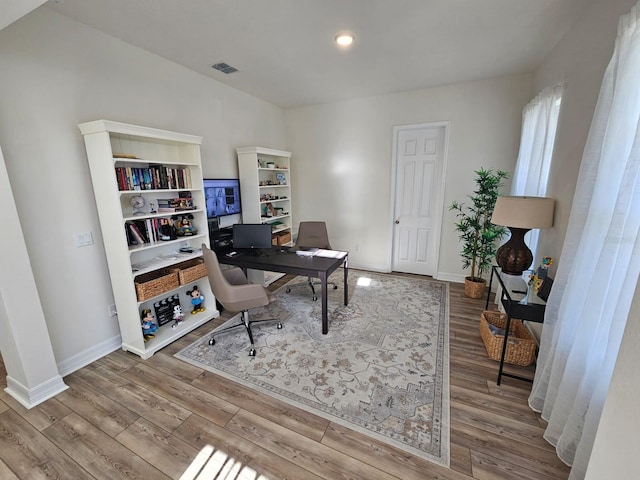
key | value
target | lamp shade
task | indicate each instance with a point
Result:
(523, 212)
(520, 214)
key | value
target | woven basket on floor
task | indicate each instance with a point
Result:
(521, 346)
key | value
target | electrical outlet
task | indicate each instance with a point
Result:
(112, 310)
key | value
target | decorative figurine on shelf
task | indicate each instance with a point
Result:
(184, 227)
(178, 315)
(197, 300)
(149, 327)
(540, 274)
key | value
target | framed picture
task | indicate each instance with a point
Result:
(282, 178)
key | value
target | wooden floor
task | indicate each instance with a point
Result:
(124, 418)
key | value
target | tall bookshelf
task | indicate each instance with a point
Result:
(129, 163)
(265, 187)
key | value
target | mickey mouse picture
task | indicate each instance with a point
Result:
(197, 300)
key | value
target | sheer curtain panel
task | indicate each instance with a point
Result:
(539, 123)
(599, 265)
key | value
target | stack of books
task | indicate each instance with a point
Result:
(172, 205)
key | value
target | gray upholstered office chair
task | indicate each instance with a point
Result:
(235, 294)
(312, 235)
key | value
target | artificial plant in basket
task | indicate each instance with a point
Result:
(476, 232)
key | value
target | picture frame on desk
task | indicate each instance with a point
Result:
(545, 288)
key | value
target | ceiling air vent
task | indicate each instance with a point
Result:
(224, 68)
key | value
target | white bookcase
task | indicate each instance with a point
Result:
(265, 190)
(166, 165)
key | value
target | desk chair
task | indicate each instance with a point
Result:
(236, 294)
(312, 235)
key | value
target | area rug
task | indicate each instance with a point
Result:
(382, 370)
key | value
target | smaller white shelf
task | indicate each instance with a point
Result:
(281, 229)
(162, 262)
(159, 190)
(165, 335)
(161, 214)
(146, 161)
(147, 246)
(270, 219)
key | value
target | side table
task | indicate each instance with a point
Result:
(519, 302)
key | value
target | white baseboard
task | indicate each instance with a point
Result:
(370, 267)
(31, 397)
(89, 355)
(450, 277)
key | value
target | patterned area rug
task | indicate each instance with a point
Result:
(383, 368)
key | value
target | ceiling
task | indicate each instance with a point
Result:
(285, 51)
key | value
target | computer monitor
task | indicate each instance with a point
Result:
(251, 235)
(222, 196)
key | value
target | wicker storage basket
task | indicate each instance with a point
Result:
(149, 285)
(521, 346)
(191, 270)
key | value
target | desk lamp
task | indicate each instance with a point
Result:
(519, 215)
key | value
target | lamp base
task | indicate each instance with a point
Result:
(514, 257)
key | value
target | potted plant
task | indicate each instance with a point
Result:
(476, 232)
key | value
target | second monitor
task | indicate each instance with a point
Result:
(251, 235)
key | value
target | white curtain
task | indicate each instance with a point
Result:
(539, 122)
(599, 265)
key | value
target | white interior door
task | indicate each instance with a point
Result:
(419, 156)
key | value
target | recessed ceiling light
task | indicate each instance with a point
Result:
(344, 39)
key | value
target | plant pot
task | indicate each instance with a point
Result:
(474, 288)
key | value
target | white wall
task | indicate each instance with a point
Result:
(580, 60)
(57, 73)
(12, 10)
(342, 152)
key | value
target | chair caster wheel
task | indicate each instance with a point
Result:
(212, 341)
(315, 298)
(288, 290)
(279, 326)
(335, 287)
(252, 352)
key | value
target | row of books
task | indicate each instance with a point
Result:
(153, 177)
(149, 230)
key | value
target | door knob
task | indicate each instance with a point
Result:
(397, 222)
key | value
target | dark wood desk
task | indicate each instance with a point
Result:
(518, 302)
(318, 266)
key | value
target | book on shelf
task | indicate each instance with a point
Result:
(150, 230)
(135, 236)
(153, 177)
(171, 205)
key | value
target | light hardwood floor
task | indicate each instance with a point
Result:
(125, 418)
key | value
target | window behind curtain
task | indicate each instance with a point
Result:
(539, 123)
